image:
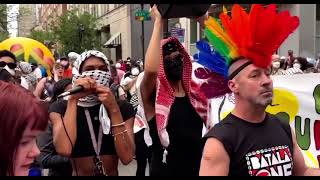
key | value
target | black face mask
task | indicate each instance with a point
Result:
(5, 75)
(173, 68)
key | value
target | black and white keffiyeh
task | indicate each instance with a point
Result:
(102, 78)
(85, 55)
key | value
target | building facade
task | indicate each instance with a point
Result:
(26, 19)
(120, 33)
(48, 14)
(305, 41)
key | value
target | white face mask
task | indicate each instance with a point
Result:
(135, 71)
(118, 65)
(276, 65)
(296, 65)
(11, 71)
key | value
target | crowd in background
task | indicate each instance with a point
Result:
(282, 65)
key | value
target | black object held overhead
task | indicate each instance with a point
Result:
(168, 11)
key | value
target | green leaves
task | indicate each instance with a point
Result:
(76, 32)
(4, 35)
(3, 18)
(42, 36)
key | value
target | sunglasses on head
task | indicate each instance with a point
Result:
(10, 65)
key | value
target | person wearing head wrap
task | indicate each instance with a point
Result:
(249, 141)
(28, 79)
(73, 57)
(92, 127)
(175, 108)
(128, 83)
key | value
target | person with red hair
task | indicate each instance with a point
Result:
(22, 119)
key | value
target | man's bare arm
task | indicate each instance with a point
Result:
(215, 159)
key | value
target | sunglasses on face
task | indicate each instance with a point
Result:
(10, 65)
(170, 48)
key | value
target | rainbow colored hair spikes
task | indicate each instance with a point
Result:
(256, 35)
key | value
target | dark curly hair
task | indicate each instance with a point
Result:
(304, 63)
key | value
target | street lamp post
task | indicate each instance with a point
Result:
(81, 30)
(142, 36)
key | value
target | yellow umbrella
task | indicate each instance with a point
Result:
(29, 50)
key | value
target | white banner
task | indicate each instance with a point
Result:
(297, 100)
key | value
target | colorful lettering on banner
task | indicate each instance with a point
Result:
(317, 134)
(303, 139)
(316, 95)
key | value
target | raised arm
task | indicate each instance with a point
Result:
(122, 131)
(152, 59)
(39, 88)
(62, 132)
(65, 128)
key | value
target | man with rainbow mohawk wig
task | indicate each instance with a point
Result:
(249, 141)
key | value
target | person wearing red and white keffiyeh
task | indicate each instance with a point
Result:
(174, 107)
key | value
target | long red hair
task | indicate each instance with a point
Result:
(19, 108)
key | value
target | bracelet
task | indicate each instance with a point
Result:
(122, 132)
(120, 124)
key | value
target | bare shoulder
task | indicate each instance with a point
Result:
(215, 160)
(214, 149)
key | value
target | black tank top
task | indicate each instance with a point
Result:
(256, 149)
(83, 146)
(185, 133)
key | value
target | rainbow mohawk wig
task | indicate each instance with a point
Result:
(255, 36)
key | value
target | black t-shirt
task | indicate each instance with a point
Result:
(83, 146)
(185, 134)
(256, 149)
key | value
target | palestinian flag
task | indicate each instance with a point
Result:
(36, 56)
(18, 51)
